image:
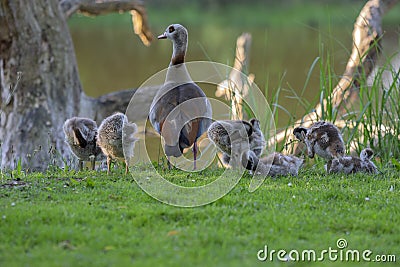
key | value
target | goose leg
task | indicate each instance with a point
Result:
(108, 165)
(194, 155)
(126, 167)
(92, 162)
(168, 163)
(80, 165)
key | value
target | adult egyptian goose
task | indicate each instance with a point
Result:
(115, 138)
(273, 165)
(233, 137)
(349, 164)
(180, 108)
(80, 134)
(322, 138)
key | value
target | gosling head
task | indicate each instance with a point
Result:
(255, 123)
(300, 133)
(249, 160)
(366, 154)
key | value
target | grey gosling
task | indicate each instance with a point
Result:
(116, 136)
(233, 137)
(180, 127)
(349, 164)
(80, 135)
(272, 165)
(322, 138)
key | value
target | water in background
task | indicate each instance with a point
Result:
(111, 57)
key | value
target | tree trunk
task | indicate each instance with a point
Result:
(35, 40)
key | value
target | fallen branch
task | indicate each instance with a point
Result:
(96, 7)
(235, 88)
(105, 105)
(367, 35)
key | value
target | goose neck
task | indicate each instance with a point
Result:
(179, 52)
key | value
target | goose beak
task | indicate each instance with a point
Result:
(162, 36)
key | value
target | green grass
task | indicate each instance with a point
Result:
(371, 120)
(92, 219)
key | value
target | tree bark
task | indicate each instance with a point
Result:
(35, 40)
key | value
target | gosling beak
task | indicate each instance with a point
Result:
(162, 36)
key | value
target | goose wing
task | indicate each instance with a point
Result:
(173, 118)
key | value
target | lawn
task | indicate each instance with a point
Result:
(89, 218)
(68, 218)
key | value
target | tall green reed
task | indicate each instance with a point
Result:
(371, 120)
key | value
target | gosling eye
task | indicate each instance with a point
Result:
(171, 29)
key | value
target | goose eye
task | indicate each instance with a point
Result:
(171, 29)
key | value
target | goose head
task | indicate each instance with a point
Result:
(179, 36)
(175, 32)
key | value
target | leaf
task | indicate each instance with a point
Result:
(108, 248)
(172, 233)
(19, 167)
(396, 163)
(66, 244)
(73, 181)
(89, 183)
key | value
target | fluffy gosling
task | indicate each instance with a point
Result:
(322, 138)
(80, 134)
(349, 164)
(233, 137)
(273, 165)
(116, 136)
